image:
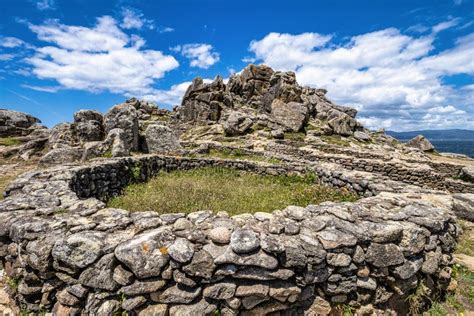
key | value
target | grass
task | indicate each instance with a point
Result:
(335, 140)
(217, 189)
(466, 241)
(9, 141)
(239, 154)
(295, 136)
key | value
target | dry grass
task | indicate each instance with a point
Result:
(227, 190)
(9, 141)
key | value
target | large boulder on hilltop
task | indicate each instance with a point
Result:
(341, 123)
(13, 123)
(251, 85)
(115, 145)
(203, 103)
(88, 125)
(291, 115)
(125, 117)
(61, 155)
(62, 135)
(236, 123)
(421, 143)
(467, 173)
(144, 108)
(283, 86)
(161, 139)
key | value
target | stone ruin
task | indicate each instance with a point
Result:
(70, 254)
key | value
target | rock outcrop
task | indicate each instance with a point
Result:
(421, 143)
(13, 123)
(260, 96)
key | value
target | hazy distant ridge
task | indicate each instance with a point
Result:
(447, 134)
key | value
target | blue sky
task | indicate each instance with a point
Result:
(403, 64)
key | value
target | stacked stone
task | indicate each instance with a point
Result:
(74, 255)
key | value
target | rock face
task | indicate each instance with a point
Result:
(161, 139)
(88, 125)
(125, 117)
(260, 96)
(13, 123)
(421, 143)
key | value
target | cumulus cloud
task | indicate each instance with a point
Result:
(394, 79)
(134, 19)
(201, 55)
(98, 58)
(43, 5)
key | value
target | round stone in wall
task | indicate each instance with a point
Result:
(181, 250)
(244, 241)
(220, 235)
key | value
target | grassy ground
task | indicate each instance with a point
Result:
(9, 141)
(238, 154)
(224, 190)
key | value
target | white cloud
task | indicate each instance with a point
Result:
(445, 25)
(99, 58)
(6, 57)
(51, 89)
(201, 55)
(166, 29)
(394, 79)
(45, 5)
(134, 19)
(10, 42)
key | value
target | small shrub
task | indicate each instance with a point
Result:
(136, 172)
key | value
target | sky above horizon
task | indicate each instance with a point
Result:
(405, 65)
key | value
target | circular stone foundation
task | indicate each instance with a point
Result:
(67, 252)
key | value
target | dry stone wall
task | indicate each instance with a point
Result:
(65, 251)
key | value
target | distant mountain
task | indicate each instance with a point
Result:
(433, 135)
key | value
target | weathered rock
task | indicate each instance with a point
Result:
(62, 155)
(467, 173)
(291, 115)
(202, 265)
(177, 295)
(125, 117)
(220, 235)
(100, 274)
(237, 123)
(259, 259)
(384, 255)
(181, 250)
(319, 307)
(463, 205)
(13, 123)
(244, 241)
(421, 143)
(88, 126)
(79, 250)
(362, 136)
(161, 139)
(154, 310)
(220, 291)
(341, 123)
(146, 286)
(146, 254)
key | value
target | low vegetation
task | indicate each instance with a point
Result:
(215, 189)
(9, 141)
(239, 154)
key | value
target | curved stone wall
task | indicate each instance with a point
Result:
(63, 250)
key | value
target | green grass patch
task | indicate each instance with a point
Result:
(335, 140)
(9, 141)
(229, 190)
(466, 241)
(239, 154)
(295, 136)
